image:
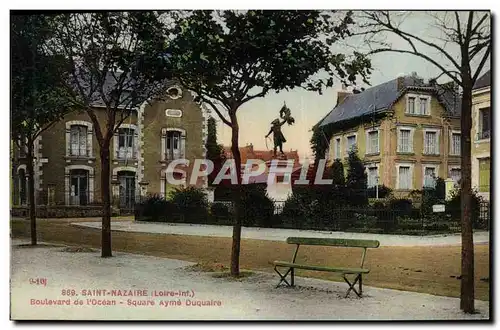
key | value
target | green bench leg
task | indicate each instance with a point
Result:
(360, 285)
(351, 285)
(283, 277)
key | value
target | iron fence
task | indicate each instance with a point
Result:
(303, 216)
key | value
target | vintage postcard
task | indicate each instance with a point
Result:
(250, 165)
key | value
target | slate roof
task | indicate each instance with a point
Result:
(380, 98)
(110, 87)
(483, 81)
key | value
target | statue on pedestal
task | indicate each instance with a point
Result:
(278, 137)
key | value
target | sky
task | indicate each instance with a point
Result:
(308, 108)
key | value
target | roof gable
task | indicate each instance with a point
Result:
(382, 97)
(483, 81)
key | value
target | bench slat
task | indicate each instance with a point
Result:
(322, 268)
(334, 242)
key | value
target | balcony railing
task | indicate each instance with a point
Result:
(125, 153)
(79, 152)
(171, 155)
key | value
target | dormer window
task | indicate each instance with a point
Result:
(418, 105)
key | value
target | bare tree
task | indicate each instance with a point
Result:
(460, 49)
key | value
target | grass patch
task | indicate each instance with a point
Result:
(393, 267)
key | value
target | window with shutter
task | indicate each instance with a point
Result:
(351, 143)
(126, 143)
(404, 143)
(431, 146)
(429, 177)
(173, 145)
(455, 175)
(337, 148)
(423, 106)
(78, 140)
(372, 143)
(404, 177)
(455, 144)
(484, 123)
(372, 177)
(411, 105)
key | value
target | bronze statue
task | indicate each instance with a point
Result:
(278, 136)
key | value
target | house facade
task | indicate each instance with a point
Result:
(406, 131)
(67, 168)
(481, 136)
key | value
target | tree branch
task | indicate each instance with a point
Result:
(481, 64)
(224, 120)
(447, 72)
(408, 36)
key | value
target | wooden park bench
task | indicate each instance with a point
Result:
(358, 272)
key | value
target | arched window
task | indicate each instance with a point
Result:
(126, 189)
(78, 138)
(79, 187)
(173, 144)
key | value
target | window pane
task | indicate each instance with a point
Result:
(455, 147)
(430, 143)
(351, 142)
(404, 177)
(485, 123)
(176, 142)
(429, 177)
(78, 140)
(411, 105)
(405, 140)
(423, 106)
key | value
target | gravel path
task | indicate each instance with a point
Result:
(252, 298)
(272, 234)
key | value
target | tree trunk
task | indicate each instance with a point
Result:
(235, 250)
(30, 168)
(467, 281)
(106, 200)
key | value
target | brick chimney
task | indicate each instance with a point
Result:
(342, 94)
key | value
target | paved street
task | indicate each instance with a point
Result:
(252, 298)
(273, 234)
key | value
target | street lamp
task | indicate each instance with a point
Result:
(376, 186)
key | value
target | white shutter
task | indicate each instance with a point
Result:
(410, 141)
(436, 144)
(399, 141)
(82, 138)
(182, 146)
(135, 144)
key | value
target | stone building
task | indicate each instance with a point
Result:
(481, 134)
(67, 166)
(406, 131)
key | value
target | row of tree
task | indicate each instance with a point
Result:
(64, 62)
